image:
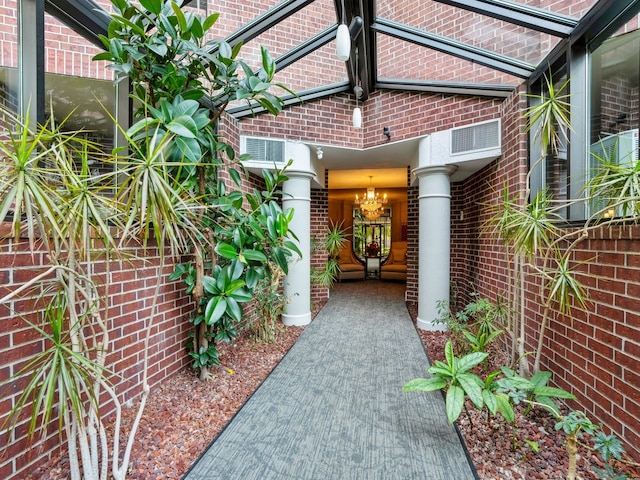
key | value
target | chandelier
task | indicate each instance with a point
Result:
(371, 204)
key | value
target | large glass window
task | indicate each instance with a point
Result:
(614, 104)
(9, 57)
(79, 90)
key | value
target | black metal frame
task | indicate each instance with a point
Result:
(90, 20)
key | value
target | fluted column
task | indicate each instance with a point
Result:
(434, 242)
(297, 283)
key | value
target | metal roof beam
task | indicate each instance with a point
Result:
(289, 100)
(597, 25)
(82, 16)
(454, 88)
(453, 47)
(306, 48)
(266, 21)
(523, 15)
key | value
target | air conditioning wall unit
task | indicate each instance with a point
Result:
(475, 138)
(620, 148)
(263, 151)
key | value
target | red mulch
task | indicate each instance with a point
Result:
(184, 415)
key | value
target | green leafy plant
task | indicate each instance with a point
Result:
(333, 241)
(474, 326)
(610, 448)
(479, 342)
(574, 424)
(453, 376)
(533, 391)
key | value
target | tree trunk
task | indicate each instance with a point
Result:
(572, 450)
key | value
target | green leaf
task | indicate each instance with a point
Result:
(235, 176)
(184, 126)
(254, 255)
(554, 392)
(153, 6)
(215, 309)
(548, 404)
(540, 379)
(490, 401)
(234, 310)
(424, 384)
(469, 361)
(210, 21)
(448, 354)
(471, 385)
(454, 402)
(209, 285)
(241, 295)
(226, 251)
(182, 22)
(505, 407)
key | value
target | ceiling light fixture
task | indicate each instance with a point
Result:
(319, 153)
(357, 91)
(343, 40)
(357, 113)
(371, 204)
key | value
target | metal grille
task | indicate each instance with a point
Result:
(475, 137)
(262, 150)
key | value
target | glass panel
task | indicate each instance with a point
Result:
(235, 15)
(371, 238)
(79, 89)
(473, 29)
(296, 28)
(410, 61)
(317, 69)
(9, 55)
(615, 100)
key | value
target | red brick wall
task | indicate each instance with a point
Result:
(131, 289)
(319, 223)
(413, 217)
(594, 354)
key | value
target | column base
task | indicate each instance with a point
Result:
(430, 326)
(296, 320)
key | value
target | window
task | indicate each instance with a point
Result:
(9, 62)
(614, 105)
(604, 97)
(371, 238)
(77, 88)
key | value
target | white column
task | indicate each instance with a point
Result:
(297, 283)
(434, 242)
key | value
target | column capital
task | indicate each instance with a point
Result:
(447, 170)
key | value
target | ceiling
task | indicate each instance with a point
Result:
(464, 47)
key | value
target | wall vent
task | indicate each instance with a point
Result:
(472, 138)
(264, 149)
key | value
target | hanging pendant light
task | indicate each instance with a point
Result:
(343, 39)
(343, 43)
(357, 113)
(357, 118)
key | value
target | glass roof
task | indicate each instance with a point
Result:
(472, 45)
(421, 63)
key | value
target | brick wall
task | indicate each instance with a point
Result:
(319, 223)
(594, 354)
(130, 292)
